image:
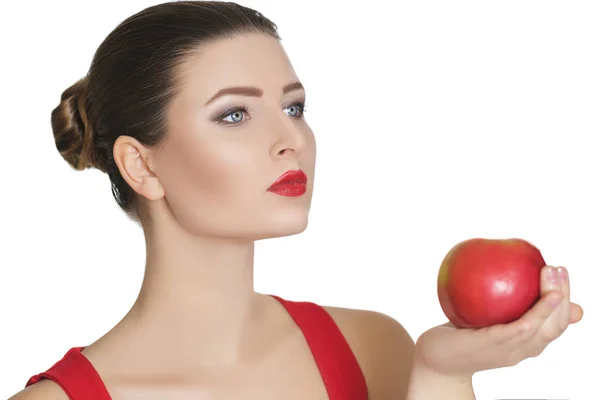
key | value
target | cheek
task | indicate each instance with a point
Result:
(208, 175)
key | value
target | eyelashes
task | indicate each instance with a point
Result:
(240, 112)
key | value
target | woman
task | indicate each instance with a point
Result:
(196, 114)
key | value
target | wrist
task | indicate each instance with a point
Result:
(423, 367)
(423, 372)
(426, 383)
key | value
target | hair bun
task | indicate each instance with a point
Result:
(72, 131)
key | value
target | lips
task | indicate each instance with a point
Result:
(291, 183)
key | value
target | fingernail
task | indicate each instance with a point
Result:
(552, 275)
(562, 272)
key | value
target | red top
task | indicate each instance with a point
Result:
(339, 368)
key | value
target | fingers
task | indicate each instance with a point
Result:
(565, 307)
(543, 323)
(503, 333)
(570, 312)
(565, 285)
(547, 308)
(551, 297)
(549, 280)
(535, 318)
(528, 325)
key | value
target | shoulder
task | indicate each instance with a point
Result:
(42, 390)
(382, 347)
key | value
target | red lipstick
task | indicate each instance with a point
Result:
(291, 183)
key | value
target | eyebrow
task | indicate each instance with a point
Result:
(252, 91)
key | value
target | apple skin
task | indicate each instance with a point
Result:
(484, 282)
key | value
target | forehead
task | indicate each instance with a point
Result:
(247, 59)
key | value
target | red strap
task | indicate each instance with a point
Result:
(339, 368)
(76, 376)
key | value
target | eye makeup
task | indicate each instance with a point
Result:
(219, 118)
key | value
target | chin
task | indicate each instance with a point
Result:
(283, 224)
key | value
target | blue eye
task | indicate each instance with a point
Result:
(299, 108)
(237, 115)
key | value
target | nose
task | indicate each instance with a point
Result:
(290, 139)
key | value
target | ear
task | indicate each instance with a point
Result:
(133, 160)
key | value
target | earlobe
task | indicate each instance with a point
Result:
(132, 159)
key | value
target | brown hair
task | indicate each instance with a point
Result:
(132, 79)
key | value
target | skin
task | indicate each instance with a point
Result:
(198, 329)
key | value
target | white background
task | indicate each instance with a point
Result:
(436, 121)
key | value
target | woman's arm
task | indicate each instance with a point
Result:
(442, 362)
(386, 353)
(383, 349)
(43, 390)
(388, 356)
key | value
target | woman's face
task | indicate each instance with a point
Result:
(225, 147)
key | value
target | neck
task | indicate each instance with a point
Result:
(197, 295)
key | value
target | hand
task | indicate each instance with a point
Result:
(459, 353)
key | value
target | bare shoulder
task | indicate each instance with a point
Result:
(43, 390)
(382, 347)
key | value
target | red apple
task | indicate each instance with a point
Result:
(484, 282)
